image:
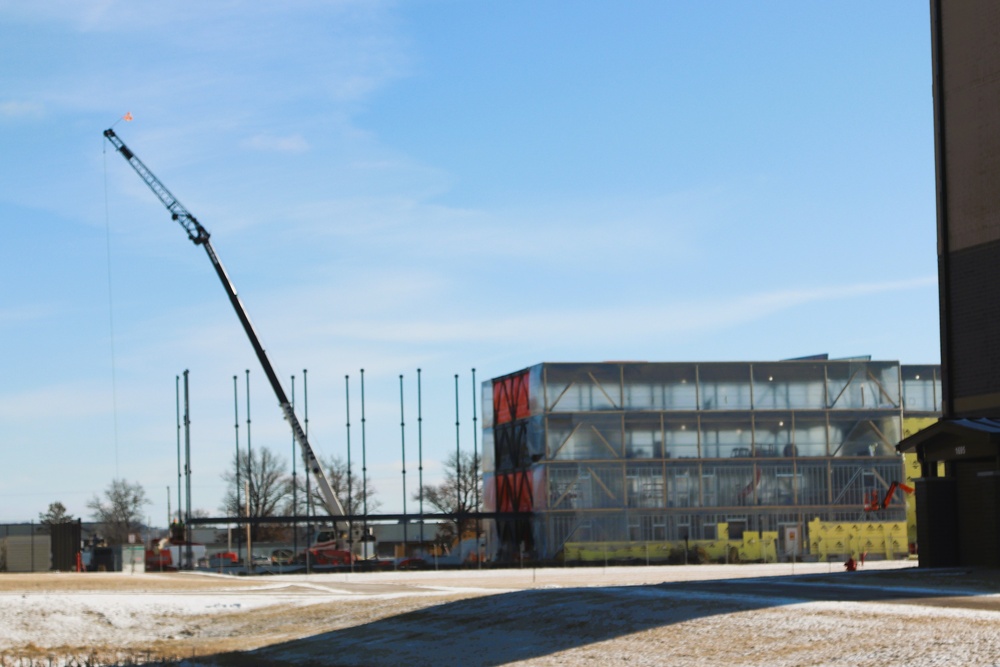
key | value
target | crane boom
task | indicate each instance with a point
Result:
(200, 236)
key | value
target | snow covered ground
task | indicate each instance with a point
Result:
(806, 614)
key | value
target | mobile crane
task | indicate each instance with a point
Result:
(200, 236)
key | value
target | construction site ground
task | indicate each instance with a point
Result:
(887, 613)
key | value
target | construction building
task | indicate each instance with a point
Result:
(640, 458)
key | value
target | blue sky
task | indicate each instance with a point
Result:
(441, 185)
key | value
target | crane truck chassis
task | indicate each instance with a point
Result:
(200, 236)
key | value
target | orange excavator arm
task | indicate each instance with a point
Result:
(892, 491)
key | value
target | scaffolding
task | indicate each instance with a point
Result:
(647, 454)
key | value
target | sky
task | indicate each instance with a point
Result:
(442, 185)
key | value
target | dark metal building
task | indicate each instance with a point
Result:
(958, 510)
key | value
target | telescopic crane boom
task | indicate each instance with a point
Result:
(200, 236)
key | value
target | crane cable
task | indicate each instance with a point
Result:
(111, 309)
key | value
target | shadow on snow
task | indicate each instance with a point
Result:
(508, 627)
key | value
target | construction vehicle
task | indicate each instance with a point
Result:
(874, 504)
(169, 554)
(200, 236)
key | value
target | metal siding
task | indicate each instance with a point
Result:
(937, 534)
(970, 33)
(65, 545)
(970, 500)
(28, 553)
(966, 41)
(973, 293)
(989, 513)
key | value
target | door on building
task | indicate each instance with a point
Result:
(976, 502)
(791, 540)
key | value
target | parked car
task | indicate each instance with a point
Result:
(282, 557)
(223, 559)
(411, 563)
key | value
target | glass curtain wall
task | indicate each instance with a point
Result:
(657, 451)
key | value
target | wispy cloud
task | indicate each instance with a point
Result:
(22, 314)
(594, 324)
(563, 233)
(66, 400)
(20, 109)
(294, 143)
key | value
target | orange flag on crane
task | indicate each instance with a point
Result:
(127, 117)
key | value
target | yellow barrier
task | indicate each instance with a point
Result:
(752, 548)
(840, 540)
(912, 468)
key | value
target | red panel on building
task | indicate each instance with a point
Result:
(514, 492)
(510, 398)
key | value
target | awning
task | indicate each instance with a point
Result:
(951, 439)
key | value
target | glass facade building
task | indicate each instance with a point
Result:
(648, 452)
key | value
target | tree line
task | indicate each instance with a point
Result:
(275, 491)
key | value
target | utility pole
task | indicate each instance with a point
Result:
(187, 472)
(364, 466)
(402, 441)
(420, 457)
(350, 487)
(295, 483)
(248, 485)
(236, 428)
(177, 383)
(475, 462)
(458, 472)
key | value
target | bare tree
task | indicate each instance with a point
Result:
(336, 473)
(457, 494)
(270, 491)
(120, 511)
